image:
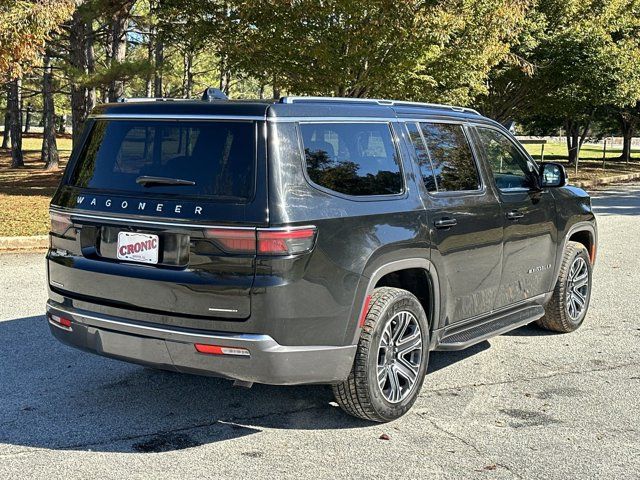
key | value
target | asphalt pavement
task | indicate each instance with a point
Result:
(528, 404)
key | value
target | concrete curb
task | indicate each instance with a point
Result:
(22, 244)
(608, 180)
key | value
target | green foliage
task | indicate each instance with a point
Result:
(24, 28)
(414, 50)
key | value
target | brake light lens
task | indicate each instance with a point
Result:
(234, 240)
(286, 242)
(61, 224)
(267, 241)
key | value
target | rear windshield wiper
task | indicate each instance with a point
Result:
(148, 181)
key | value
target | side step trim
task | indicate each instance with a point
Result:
(467, 335)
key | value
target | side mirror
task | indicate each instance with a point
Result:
(552, 175)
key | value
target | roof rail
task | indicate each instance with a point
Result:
(150, 99)
(375, 101)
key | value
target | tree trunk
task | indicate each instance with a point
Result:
(159, 65)
(187, 76)
(15, 123)
(573, 140)
(118, 47)
(576, 138)
(6, 134)
(27, 120)
(276, 88)
(150, 50)
(49, 146)
(627, 126)
(80, 41)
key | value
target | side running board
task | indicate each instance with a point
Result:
(466, 335)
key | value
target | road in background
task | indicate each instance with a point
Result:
(528, 404)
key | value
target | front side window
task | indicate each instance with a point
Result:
(510, 168)
(214, 159)
(451, 157)
(352, 158)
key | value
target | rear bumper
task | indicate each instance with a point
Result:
(173, 349)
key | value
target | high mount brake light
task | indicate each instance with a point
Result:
(266, 241)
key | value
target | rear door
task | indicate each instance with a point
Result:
(161, 218)
(465, 220)
(530, 234)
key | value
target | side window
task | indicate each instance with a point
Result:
(422, 156)
(451, 157)
(352, 158)
(510, 168)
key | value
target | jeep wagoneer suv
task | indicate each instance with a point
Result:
(310, 240)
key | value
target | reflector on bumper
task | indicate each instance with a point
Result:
(218, 350)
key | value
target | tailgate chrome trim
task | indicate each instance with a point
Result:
(74, 214)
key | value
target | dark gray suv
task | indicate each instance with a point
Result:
(310, 240)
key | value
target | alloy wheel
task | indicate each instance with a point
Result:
(577, 288)
(399, 356)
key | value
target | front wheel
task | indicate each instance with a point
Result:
(391, 359)
(569, 303)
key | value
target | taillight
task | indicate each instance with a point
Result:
(61, 225)
(233, 240)
(286, 242)
(267, 241)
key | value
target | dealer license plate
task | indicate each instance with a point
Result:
(138, 247)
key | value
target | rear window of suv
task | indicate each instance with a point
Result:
(352, 158)
(212, 159)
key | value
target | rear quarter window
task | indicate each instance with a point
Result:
(358, 159)
(217, 157)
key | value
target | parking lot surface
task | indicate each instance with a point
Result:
(528, 404)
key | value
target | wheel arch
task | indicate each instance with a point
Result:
(394, 273)
(580, 232)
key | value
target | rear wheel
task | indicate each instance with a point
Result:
(568, 306)
(391, 359)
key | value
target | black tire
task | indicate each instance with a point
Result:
(557, 316)
(360, 395)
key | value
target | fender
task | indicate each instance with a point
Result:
(368, 282)
(582, 226)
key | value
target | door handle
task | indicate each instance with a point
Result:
(445, 223)
(515, 214)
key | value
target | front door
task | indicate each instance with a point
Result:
(530, 234)
(464, 219)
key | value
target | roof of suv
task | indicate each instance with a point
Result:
(286, 107)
